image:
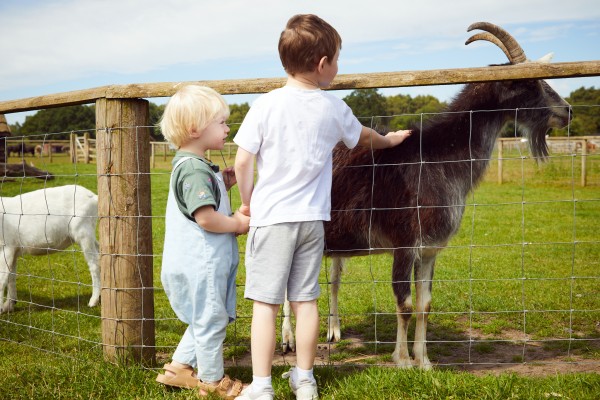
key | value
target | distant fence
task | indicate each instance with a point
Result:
(582, 145)
(80, 148)
(124, 155)
(163, 150)
(83, 149)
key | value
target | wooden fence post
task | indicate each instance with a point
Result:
(86, 147)
(125, 227)
(73, 147)
(4, 133)
(584, 143)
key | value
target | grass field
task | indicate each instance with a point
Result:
(516, 295)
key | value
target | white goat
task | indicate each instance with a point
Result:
(45, 221)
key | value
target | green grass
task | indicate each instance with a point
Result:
(524, 270)
(53, 377)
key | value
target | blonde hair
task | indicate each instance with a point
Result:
(304, 41)
(191, 108)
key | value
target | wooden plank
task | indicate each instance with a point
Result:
(348, 81)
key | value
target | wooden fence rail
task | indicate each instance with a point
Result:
(124, 181)
(344, 81)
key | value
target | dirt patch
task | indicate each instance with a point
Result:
(514, 352)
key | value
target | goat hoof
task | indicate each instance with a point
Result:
(334, 335)
(426, 365)
(288, 347)
(404, 363)
(8, 306)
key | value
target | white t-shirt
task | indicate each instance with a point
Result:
(292, 132)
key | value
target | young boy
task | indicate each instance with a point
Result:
(292, 132)
(200, 256)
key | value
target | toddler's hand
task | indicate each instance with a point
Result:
(229, 177)
(244, 223)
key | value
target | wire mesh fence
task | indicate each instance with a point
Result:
(518, 286)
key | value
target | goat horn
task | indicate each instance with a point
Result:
(511, 48)
(490, 38)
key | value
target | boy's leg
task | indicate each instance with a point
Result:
(262, 342)
(262, 338)
(303, 291)
(307, 332)
(269, 252)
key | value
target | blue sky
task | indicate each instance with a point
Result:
(55, 46)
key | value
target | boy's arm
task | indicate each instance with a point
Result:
(371, 139)
(244, 173)
(213, 221)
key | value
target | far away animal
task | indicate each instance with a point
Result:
(42, 222)
(20, 149)
(409, 200)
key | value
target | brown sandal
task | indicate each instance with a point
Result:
(226, 388)
(182, 377)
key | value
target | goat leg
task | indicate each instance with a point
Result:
(288, 342)
(401, 281)
(423, 283)
(333, 330)
(8, 279)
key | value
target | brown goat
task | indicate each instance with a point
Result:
(409, 200)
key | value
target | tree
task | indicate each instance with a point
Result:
(236, 116)
(59, 122)
(15, 129)
(237, 113)
(586, 112)
(407, 112)
(369, 106)
(155, 113)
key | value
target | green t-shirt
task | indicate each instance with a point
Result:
(194, 183)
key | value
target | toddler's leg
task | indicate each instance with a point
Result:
(209, 334)
(180, 371)
(185, 353)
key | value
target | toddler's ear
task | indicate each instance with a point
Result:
(195, 133)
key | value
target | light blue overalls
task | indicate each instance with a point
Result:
(198, 274)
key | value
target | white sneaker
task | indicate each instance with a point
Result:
(306, 389)
(265, 394)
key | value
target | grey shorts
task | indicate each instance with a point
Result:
(282, 257)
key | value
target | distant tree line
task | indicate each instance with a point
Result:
(382, 113)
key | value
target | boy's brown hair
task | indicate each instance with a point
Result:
(305, 40)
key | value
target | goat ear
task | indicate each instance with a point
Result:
(546, 59)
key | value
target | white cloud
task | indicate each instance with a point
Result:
(54, 41)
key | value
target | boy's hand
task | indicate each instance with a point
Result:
(229, 177)
(245, 209)
(244, 223)
(397, 137)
